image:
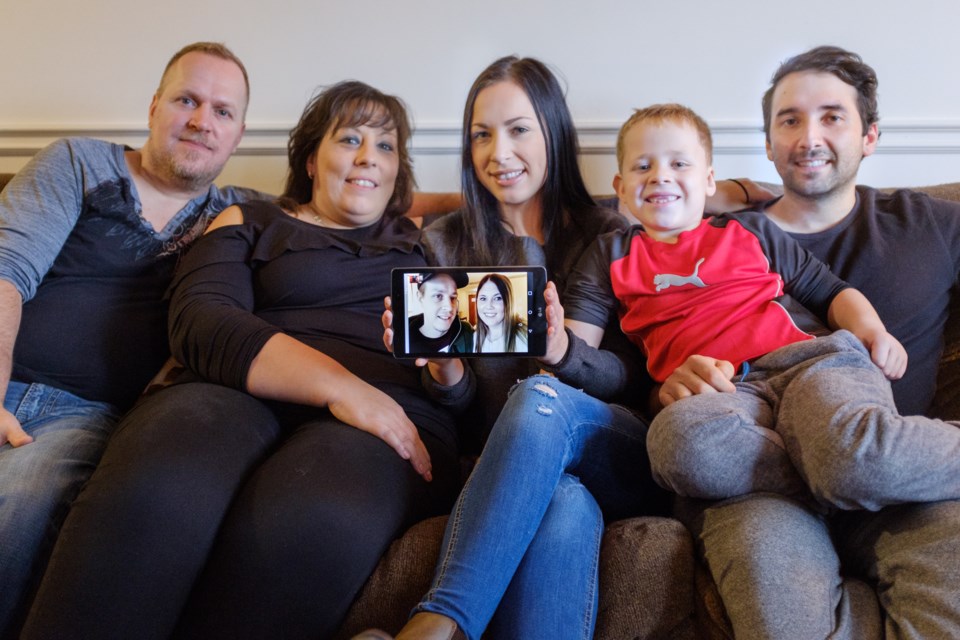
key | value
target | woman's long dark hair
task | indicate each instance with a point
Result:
(563, 193)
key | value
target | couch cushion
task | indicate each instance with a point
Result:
(399, 581)
(647, 581)
(946, 403)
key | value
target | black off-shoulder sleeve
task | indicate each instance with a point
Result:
(212, 327)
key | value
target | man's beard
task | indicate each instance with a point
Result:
(186, 173)
(824, 186)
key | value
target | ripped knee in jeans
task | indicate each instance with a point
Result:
(546, 390)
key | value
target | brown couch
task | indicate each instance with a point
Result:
(650, 583)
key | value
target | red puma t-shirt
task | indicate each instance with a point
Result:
(716, 292)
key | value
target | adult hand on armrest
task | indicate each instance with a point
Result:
(698, 374)
(290, 371)
(733, 195)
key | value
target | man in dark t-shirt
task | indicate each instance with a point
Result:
(782, 567)
(439, 327)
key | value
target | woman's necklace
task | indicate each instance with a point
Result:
(317, 218)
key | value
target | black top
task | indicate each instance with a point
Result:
(457, 339)
(902, 250)
(241, 284)
(96, 325)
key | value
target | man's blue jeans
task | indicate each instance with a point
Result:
(38, 481)
(554, 454)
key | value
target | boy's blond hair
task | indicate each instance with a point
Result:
(660, 113)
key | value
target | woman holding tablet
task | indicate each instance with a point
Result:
(525, 203)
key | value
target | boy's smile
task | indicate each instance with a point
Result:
(665, 178)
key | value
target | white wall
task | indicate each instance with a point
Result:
(78, 68)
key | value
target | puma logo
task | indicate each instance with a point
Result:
(664, 280)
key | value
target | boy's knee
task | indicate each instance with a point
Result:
(679, 446)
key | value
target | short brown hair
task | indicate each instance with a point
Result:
(348, 104)
(660, 113)
(845, 65)
(216, 49)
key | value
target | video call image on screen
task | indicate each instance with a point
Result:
(466, 312)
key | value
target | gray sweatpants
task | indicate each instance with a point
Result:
(846, 522)
(788, 572)
(815, 417)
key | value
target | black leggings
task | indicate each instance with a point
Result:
(209, 518)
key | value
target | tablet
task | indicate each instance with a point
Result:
(472, 312)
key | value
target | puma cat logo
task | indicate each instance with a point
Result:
(664, 280)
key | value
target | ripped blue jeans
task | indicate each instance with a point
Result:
(523, 541)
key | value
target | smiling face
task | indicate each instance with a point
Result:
(438, 299)
(507, 145)
(196, 121)
(354, 173)
(817, 138)
(490, 306)
(665, 177)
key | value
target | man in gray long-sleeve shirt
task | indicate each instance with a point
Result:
(89, 235)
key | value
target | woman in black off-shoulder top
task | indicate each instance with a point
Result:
(255, 499)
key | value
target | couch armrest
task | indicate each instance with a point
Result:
(946, 402)
(426, 204)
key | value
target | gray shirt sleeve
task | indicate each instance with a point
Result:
(38, 210)
(456, 397)
(613, 373)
